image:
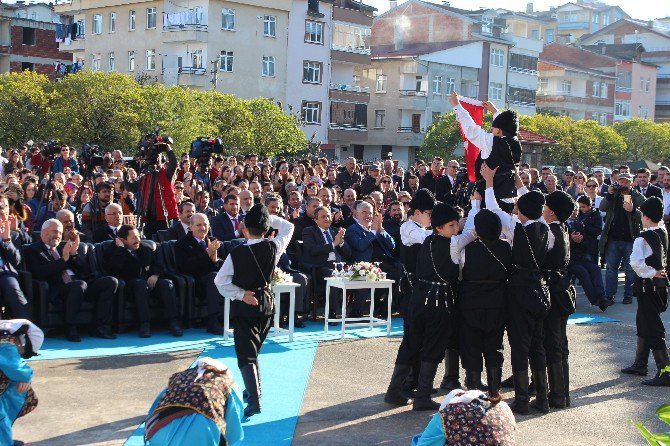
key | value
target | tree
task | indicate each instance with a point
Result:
(555, 127)
(96, 108)
(24, 103)
(273, 131)
(645, 140)
(442, 137)
(232, 120)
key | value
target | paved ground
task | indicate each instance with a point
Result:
(106, 398)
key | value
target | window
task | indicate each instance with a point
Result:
(437, 85)
(549, 35)
(352, 38)
(270, 26)
(27, 66)
(595, 116)
(523, 63)
(596, 18)
(268, 66)
(81, 28)
(521, 96)
(226, 61)
(29, 36)
(311, 72)
(228, 19)
(112, 61)
(380, 116)
(151, 18)
(97, 24)
(622, 108)
(131, 60)
(596, 90)
(495, 91)
(487, 25)
(497, 58)
(313, 32)
(606, 19)
(603, 119)
(131, 21)
(381, 83)
(451, 85)
(535, 34)
(647, 86)
(311, 112)
(566, 88)
(543, 85)
(151, 59)
(95, 65)
(641, 84)
(112, 22)
(603, 90)
(196, 58)
(421, 85)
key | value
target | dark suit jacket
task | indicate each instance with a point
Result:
(652, 191)
(102, 234)
(176, 231)
(316, 251)
(11, 254)
(124, 265)
(192, 258)
(223, 228)
(444, 190)
(44, 267)
(300, 223)
(361, 243)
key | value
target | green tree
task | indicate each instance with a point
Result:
(97, 108)
(24, 103)
(274, 131)
(644, 139)
(232, 120)
(555, 127)
(442, 137)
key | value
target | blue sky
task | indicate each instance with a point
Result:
(655, 9)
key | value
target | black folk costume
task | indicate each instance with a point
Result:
(432, 307)
(485, 267)
(527, 294)
(249, 267)
(649, 256)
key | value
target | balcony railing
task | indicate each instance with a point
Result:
(413, 93)
(624, 89)
(524, 71)
(185, 27)
(352, 49)
(350, 127)
(521, 103)
(411, 130)
(351, 88)
(192, 70)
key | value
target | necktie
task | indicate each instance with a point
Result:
(203, 244)
(115, 232)
(235, 223)
(644, 191)
(328, 237)
(65, 276)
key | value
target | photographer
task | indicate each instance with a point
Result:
(64, 160)
(622, 225)
(163, 199)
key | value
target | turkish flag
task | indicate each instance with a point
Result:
(476, 110)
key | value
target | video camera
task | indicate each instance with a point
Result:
(204, 147)
(51, 148)
(151, 145)
(92, 155)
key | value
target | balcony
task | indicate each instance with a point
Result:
(75, 45)
(413, 93)
(193, 77)
(350, 57)
(411, 130)
(185, 33)
(524, 71)
(573, 25)
(347, 132)
(349, 93)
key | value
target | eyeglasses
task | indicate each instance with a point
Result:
(385, 181)
(569, 175)
(311, 187)
(590, 185)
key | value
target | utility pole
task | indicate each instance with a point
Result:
(215, 73)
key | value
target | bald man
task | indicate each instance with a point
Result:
(113, 220)
(197, 255)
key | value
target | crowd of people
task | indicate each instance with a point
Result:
(517, 239)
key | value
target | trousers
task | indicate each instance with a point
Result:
(250, 333)
(481, 333)
(164, 291)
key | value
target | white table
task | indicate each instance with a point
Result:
(345, 284)
(278, 289)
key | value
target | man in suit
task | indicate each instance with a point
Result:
(370, 242)
(246, 201)
(70, 280)
(349, 198)
(67, 219)
(225, 226)
(11, 295)
(181, 227)
(412, 185)
(197, 255)
(446, 186)
(113, 220)
(304, 221)
(392, 222)
(647, 190)
(323, 246)
(430, 179)
(136, 264)
(202, 204)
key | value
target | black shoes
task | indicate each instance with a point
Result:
(175, 329)
(450, 380)
(145, 330)
(73, 335)
(103, 333)
(253, 388)
(627, 300)
(424, 388)
(394, 394)
(493, 377)
(662, 379)
(556, 378)
(639, 366)
(215, 329)
(521, 398)
(541, 401)
(605, 303)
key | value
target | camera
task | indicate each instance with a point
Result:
(91, 155)
(151, 145)
(204, 147)
(52, 148)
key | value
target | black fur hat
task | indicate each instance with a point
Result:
(562, 204)
(257, 218)
(530, 204)
(653, 209)
(488, 225)
(423, 200)
(508, 121)
(443, 214)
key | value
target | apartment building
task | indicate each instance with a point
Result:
(654, 38)
(577, 83)
(582, 17)
(28, 39)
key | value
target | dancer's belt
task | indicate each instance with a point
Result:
(159, 420)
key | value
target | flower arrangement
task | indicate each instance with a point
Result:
(364, 271)
(280, 276)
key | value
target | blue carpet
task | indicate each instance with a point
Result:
(587, 318)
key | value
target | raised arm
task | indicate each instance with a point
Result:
(475, 134)
(284, 234)
(224, 281)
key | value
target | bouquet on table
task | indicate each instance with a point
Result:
(364, 271)
(279, 277)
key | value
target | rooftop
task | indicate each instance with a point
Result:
(532, 137)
